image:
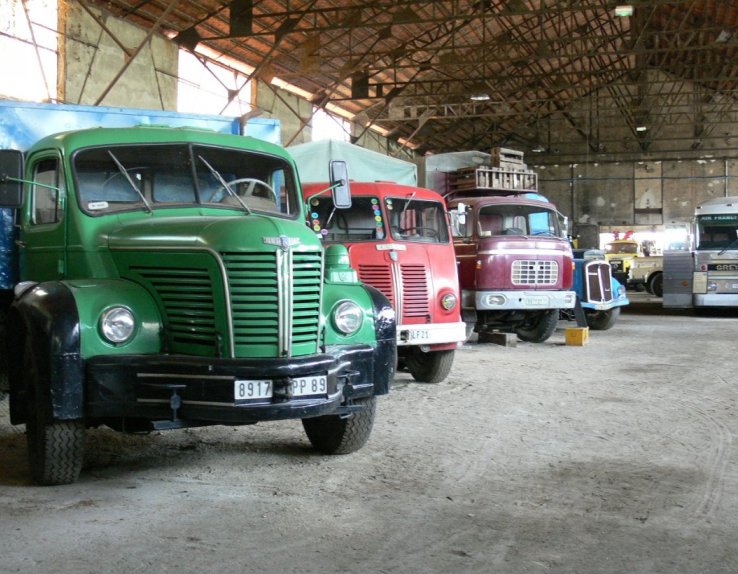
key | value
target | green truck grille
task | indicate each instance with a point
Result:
(274, 304)
(187, 297)
(257, 295)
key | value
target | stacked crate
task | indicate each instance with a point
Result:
(508, 173)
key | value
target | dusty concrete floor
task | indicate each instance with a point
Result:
(616, 457)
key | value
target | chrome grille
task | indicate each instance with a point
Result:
(257, 298)
(599, 284)
(414, 291)
(379, 277)
(306, 283)
(534, 272)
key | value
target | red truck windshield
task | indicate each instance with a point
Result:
(408, 220)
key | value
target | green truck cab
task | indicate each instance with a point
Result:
(166, 279)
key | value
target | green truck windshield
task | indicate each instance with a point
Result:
(147, 177)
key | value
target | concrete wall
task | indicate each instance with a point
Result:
(639, 195)
(90, 59)
(291, 111)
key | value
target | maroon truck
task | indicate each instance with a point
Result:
(515, 264)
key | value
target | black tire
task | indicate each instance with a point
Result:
(602, 320)
(4, 382)
(55, 447)
(540, 327)
(656, 285)
(432, 367)
(332, 434)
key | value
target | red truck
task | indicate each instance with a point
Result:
(515, 264)
(399, 242)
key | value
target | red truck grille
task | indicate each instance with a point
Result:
(379, 277)
(414, 291)
(535, 272)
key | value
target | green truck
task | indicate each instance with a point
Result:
(164, 278)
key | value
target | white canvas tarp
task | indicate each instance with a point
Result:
(363, 164)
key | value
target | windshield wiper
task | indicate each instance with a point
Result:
(128, 177)
(732, 244)
(216, 175)
(409, 201)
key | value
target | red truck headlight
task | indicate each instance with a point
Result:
(449, 301)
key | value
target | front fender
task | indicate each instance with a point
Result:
(385, 328)
(44, 321)
(94, 296)
(60, 320)
(378, 329)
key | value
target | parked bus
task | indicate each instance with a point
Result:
(707, 274)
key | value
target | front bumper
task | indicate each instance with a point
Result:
(202, 389)
(605, 305)
(716, 299)
(431, 334)
(522, 300)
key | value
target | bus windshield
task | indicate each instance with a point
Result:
(717, 231)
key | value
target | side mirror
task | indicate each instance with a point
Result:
(340, 184)
(11, 184)
(461, 213)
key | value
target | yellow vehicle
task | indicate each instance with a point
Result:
(620, 254)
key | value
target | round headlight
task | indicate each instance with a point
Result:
(448, 301)
(347, 317)
(117, 324)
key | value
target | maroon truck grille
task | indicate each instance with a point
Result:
(535, 272)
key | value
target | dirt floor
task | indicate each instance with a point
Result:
(613, 457)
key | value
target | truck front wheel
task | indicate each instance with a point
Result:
(333, 434)
(539, 327)
(55, 447)
(656, 285)
(432, 367)
(602, 320)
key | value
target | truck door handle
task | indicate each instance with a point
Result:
(20, 243)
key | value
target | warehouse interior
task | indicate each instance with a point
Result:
(614, 456)
(627, 111)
